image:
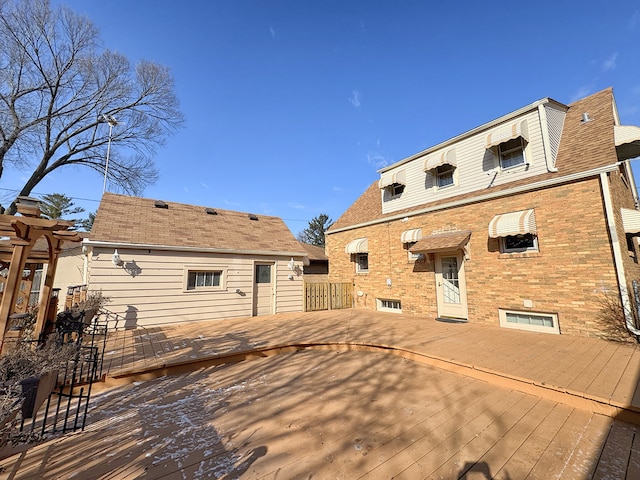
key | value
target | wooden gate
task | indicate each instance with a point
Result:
(327, 296)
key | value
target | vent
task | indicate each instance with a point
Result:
(586, 117)
(160, 204)
(253, 217)
(210, 211)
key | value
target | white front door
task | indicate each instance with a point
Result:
(263, 289)
(450, 285)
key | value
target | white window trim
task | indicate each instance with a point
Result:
(204, 268)
(358, 269)
(504, 249)
(380, 308)
(531, 328)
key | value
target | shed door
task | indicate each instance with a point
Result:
(263, 296)
(450, 285)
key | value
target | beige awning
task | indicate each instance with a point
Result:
(393, 177)
(508, 132)
(359, 245)
(627, 140)
(409, 236)
(441, 242)
(448, 157)
(630, 220)
(514, 223)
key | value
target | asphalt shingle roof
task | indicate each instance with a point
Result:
(135, 220)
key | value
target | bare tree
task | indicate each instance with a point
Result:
(58, 90)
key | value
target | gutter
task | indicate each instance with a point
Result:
(172, 248)
(617, 258)
(487, 196)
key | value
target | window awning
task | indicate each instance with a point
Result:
(442, 242)
(508, 132)
(447, 157)
(392, 177)
(514, 223)
(627, 140)
(630, 220)
(409, 236)
(359, 245)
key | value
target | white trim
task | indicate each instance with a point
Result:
(487, 196)
(546, 143)
(172, 248)
(531, 328)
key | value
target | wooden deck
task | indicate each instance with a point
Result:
(353, 394)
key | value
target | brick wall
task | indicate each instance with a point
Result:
(569, 275)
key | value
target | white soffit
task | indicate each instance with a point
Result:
(447, 157)
(393, 177)
(410, 236)
(627, 139)
(630, 220)
(508, 132)
(359, 245)
(514, 223)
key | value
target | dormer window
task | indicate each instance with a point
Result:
(444, 175)
(393, 182)
(395, 189)
(511, 153)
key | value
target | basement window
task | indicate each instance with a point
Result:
(533, 321)
(385, 305)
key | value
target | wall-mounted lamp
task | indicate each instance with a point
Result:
(117, 261)
(291, 264)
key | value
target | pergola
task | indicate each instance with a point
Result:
(20, 234)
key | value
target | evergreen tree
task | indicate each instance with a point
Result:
(314, 233)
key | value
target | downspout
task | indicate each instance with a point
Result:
(617, 257)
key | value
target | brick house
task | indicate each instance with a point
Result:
(166, 262)
(527, 222)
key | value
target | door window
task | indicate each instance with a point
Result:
(450, 280)
(263, 273)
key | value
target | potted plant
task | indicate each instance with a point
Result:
(27, 376)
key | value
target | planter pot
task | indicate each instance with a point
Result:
(88, 316)
(35, 391)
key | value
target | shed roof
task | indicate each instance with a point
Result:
(314, 252)
(123, 219)
(583, 147)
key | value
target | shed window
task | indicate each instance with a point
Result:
(203, 279)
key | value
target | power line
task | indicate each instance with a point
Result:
(41, 194)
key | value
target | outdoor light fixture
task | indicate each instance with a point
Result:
(291, 264)
(117, 261)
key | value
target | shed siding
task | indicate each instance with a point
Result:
(150, 288)
(474, 165)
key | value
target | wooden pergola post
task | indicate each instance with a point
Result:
(21, 234)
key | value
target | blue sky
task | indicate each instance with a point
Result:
(292, 106)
